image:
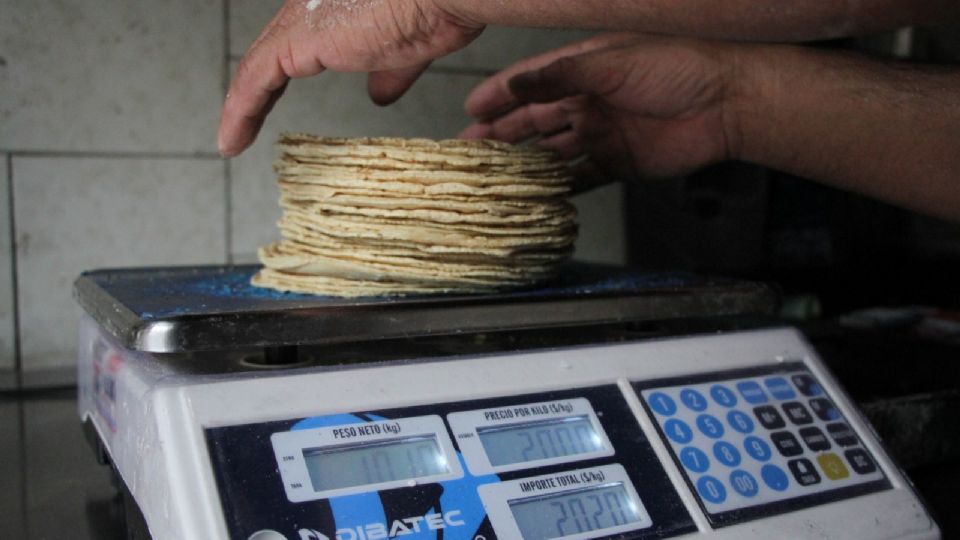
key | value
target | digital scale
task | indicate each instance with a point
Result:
(609, 404)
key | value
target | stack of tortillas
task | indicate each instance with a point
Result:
(389, 216)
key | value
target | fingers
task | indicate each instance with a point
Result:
(493, 97)
(566, 144)
(593, 74)
(259, 81)
(522, 124)
(385, 87)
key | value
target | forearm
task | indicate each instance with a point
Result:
(889, 131)
(767, 20)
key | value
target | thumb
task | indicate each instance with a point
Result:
(596, 73)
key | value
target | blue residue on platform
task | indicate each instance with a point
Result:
(161, 293)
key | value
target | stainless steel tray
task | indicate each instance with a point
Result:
(184, 309)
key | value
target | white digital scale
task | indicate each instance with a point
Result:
(573, 412)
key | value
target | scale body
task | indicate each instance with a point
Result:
(724, 435)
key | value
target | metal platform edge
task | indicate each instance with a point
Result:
(313, 326)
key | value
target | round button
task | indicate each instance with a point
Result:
(744, 483)
(662, 404)
(723, 395)
(774, 477)
(711, 489)
(678, 431)
(694, 459)
(739, 421)
(726, 453)
(693, 400)
(757, 448)
(710, 426)
(267, 534)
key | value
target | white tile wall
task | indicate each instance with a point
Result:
(247, 19)
(78, 214)
(600, 214)
(334, 104)
(110, 75)
(7, 349)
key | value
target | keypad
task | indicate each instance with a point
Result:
(748, 441)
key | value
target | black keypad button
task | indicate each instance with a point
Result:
(860, 461)
(797, 413)
(815, 439)
(807, 385)
(824, 409)
(842, 434)
(769, 417)
(804, 471)
(786, 443)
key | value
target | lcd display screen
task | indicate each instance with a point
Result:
(534, 441)
(376, 462)
(574, 512)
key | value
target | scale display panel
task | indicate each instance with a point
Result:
(436, 477)
(760, 441)
(527, 435)
(583, 503)
(337, 460)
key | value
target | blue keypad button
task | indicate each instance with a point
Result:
(739, 421)
(726, 453)
(693, 400)
(678, 431)
(751, 392)
(779, 388)
(662, 404)
(774, 477)
(710, 426)
(757, 448)
(807, 385)
(723, 395)
(711, 489)
(694, 459)
(744, 483)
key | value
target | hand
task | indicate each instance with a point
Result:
(394, 40)
(635, 105)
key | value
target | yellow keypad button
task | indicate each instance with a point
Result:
(832, 466)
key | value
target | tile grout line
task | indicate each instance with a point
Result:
(227, 164)
(14, 277)
(68, 154)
